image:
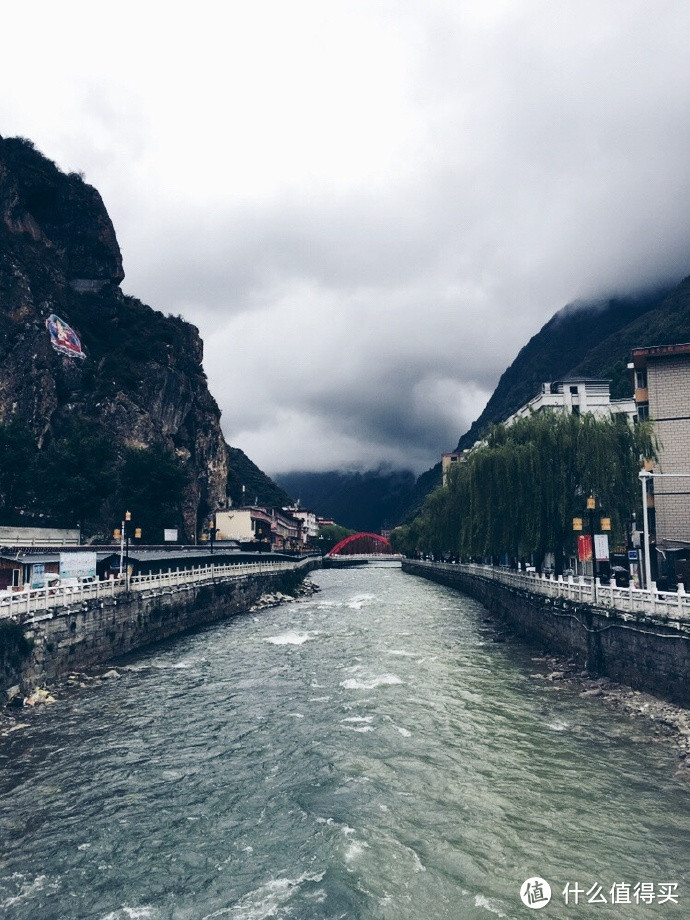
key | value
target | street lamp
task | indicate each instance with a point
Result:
(645, 476)
(605, 524)
(126, 534)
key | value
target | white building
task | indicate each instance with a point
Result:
(577, 395)
(310, 526)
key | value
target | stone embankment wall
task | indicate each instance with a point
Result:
(644, 655)
(93, 632)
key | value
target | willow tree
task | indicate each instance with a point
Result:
(517, 493)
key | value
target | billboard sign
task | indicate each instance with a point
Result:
(77, 565)
(170, 535)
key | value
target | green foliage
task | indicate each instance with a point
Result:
(14, 649)
(257, 485)
(79, 477)
(17, 452)
(518, 492)
(151, 484)
(330, 534)
(73, 475)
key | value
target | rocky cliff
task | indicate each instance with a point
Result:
(140, 382)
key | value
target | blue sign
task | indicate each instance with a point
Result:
(632, 555)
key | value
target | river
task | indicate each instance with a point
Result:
(369, 752)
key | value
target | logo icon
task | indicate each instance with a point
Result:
(535, 893)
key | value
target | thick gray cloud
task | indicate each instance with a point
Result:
(368, 208)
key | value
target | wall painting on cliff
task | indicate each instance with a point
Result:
(63, 338)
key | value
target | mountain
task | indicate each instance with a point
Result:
(581, 338)
(99, 393)
(593, 339)
(369, 501)
(248, 484)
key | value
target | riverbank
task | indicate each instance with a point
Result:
(669, 723)
(45, 644)
(548, 630)
(18, 705)
(648, 654)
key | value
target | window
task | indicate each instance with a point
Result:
(574, 391)
(641, 380)
(643, 411)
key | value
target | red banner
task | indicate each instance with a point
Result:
(584, 548)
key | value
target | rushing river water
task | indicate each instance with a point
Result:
(369, 752)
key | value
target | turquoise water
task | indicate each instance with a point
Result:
(369, 752)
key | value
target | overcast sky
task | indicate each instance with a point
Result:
(367, 208)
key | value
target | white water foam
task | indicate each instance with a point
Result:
(131, 913)
(487, 904)
(265, 901)
(359, 600)
(289, 638)
(27, 889)
(384, 680)
(358, 719)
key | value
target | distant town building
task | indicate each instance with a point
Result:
(662, 393)
(310, 524)
(448, 460)
(243, 525)
(260, 525)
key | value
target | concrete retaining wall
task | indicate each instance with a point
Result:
(643, 655)
(96, 631)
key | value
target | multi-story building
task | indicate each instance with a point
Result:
(577, 395)
(243, 525)
(260, 525)
(310, 525)
(662, 393)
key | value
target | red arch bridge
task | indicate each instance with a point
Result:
(369, 545)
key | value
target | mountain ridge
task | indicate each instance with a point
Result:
(141, 382)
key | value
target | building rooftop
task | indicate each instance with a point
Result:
(640, 356)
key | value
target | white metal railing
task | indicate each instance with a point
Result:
(631, 603)
(43, 603)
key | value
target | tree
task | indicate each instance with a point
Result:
(151, 485)
(73, 475)
(516, 494)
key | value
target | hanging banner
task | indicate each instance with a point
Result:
(63, 338)
(584, 548)
(601, 545)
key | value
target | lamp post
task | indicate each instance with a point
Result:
(646, 475)
(127, 527)
(605, 524)
(126, 535)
